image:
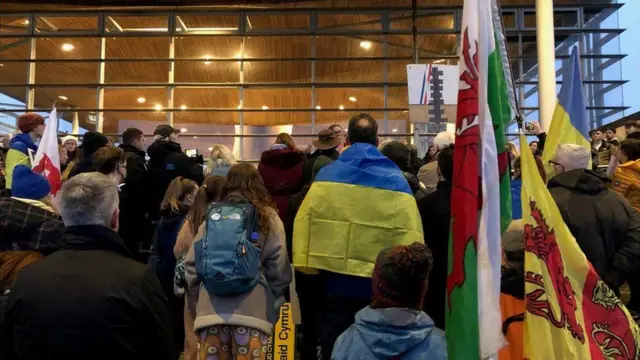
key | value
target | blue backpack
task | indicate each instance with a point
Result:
(228, 255)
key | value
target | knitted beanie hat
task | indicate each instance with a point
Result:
(400, 277)
(28, 184)
(29, 121)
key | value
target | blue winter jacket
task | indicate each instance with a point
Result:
(393, 333)
(516, 199)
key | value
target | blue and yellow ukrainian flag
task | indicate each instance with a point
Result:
(570, 123)
(357, 206)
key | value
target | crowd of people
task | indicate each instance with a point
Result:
(140, 258)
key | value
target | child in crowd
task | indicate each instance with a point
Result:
(394, 326)
(174, 208)
(209, 192)
(626, 178)
(237, 326)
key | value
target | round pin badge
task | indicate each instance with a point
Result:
(215, 217)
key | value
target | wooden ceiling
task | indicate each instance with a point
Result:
(212, 47)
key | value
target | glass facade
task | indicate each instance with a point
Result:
(239, 77)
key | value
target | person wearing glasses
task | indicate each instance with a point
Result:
(605, 225)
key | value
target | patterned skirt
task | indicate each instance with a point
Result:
(228, 342)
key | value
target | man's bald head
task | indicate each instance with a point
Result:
(363, 128)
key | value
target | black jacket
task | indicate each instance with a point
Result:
(135, 225)
(307, 165)
(91, 142)
(605, 225)
(89, 300)
(435, 210)
(167, 163)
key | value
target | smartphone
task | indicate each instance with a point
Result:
(191, 152)
(528, 126)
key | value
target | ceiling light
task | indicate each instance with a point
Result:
(158, 107)
(141, 100)
(238, 55)
(25, 22)
(394, 130)
(406, 111)
(183, 107)
(183, 130)
(318, 107)
(341, 107)
(365, 45)
(195, 137)
(1, 65)
(265, 107)
(239, 106)
(206, 58)
(67, 47)
(62, 97)
(353, 99)
(211, 148)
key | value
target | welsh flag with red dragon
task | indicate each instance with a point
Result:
(481, 195)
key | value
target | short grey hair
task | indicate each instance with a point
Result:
(88, 199)
(572, 156)
(443, 140)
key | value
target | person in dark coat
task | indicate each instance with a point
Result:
(173, 212)
(281, 170)
(326, 144)
(167, 163)
(90, 299)
(91, 142)
(416, 162)
(136, 229)
(309, 288)
(401, 155)
(435, 211)
(605, 225)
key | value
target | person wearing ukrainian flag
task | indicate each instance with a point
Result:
(358, 206)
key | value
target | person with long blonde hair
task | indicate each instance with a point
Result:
(220, 161)
(241, 324)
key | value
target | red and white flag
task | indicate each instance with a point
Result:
(47, 159)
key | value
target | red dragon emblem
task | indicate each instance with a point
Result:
(466, 176)
(541, 241)
(51, 172)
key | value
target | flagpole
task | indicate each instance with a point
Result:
(546, 62)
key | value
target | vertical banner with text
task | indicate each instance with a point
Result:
(283, 340)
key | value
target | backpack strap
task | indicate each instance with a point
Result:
(510, 320)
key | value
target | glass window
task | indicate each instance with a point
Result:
(14, 24)
(330, 46)
(269, 99)
(66, 24)
(136, 72)
(66, 97)
(13, 73)
(206, 97)
(116, 24)
(350, 98)
(208, 47)
(350, 71)
(335, 22)
(278, 47)
(67, 48)
(147, 99)
(206, 23)
(207, 71)
(14, 48)
(137, 47)
(278, 72)
(261, 22)
(13, 97)
(66, 73)
(276, 118)
(425, 20)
